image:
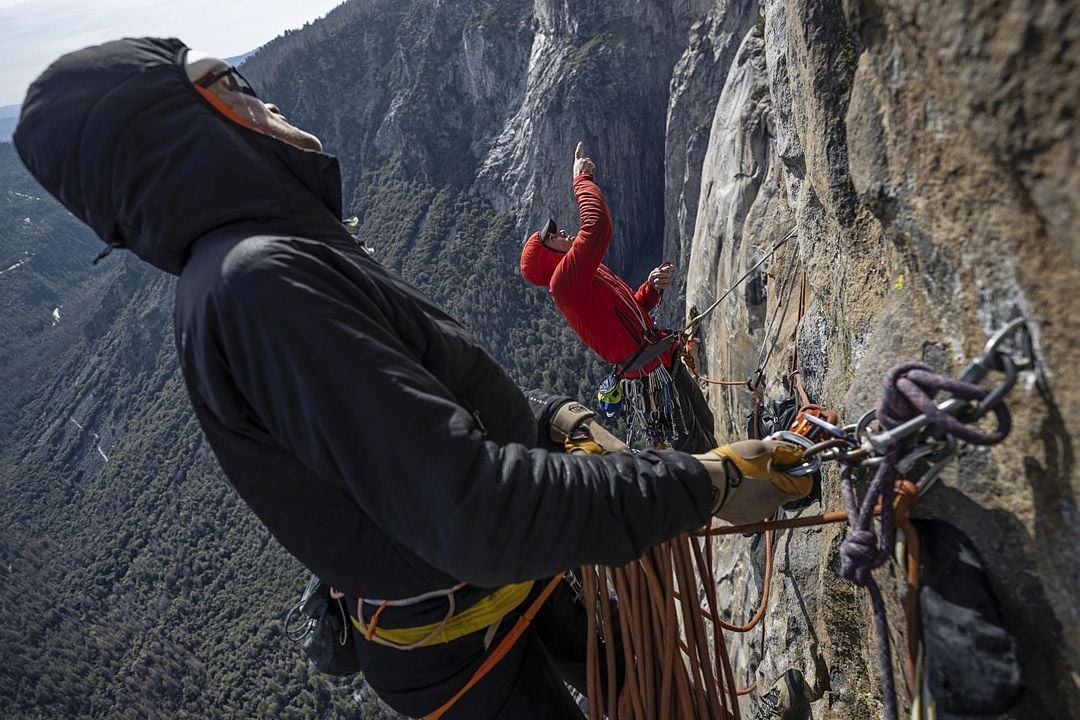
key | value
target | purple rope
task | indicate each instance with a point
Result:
(908, 391)
(862, 551)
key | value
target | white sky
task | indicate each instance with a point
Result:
(33, 33)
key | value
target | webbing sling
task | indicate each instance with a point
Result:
(481, 615)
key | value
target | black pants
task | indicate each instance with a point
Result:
(700, 426)
(527, 684)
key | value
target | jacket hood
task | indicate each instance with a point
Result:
(123, 139)
(538, 261)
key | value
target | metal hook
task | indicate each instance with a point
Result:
(810, 465)
(993, 345)
(935, 451)
(833, 430)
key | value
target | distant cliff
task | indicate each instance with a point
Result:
(9, 115)
(924, 157)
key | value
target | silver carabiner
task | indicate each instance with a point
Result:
(834, 430)
(940, 461)
(810, 465)
(993, 345)
(936, 451)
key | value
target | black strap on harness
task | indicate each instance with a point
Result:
(646, 354)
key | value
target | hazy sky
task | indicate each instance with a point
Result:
(33, 33)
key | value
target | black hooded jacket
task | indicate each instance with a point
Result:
(367, 429)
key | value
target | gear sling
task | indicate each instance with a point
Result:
(486, 613)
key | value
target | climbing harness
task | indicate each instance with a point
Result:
(501, 650)
(487, 611)
(654, 409)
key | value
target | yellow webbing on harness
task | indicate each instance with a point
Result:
(485, 612)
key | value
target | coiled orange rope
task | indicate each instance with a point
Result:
(675, 655)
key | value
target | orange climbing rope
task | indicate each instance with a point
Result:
(690, 676)
(501, 649)
(682, 669)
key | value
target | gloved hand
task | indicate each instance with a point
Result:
(748, 479)
(576, 428)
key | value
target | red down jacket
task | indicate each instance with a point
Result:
(606, 314)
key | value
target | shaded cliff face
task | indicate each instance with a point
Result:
(920, 157)
(492, 98)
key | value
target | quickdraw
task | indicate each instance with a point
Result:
(931, 436)
(655, 411)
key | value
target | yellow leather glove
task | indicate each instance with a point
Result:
(749, 482)
(575, 426)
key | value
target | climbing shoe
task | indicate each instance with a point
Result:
(971, 667)
(787, 699)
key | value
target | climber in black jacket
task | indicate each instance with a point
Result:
(366, 428)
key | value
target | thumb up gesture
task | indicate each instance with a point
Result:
(582, 164)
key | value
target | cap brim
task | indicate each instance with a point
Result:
(549, 228)
(198, 64)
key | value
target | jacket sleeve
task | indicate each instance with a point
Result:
(576, 270)
(333, 382)
(648, 297)
(544, 406)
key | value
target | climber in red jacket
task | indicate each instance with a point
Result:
(665, 404)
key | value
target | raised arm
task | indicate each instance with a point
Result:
(576, 270)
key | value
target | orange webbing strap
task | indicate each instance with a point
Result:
(374, 619)
(501, 649)
(907, 496)
(796, 381)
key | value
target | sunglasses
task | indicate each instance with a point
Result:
(233, 81)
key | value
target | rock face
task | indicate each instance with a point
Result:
(925, 156)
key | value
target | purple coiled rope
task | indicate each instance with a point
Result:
(908, 391)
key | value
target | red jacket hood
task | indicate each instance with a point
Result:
(538, 261)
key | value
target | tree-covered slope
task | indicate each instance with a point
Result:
(133, 582)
